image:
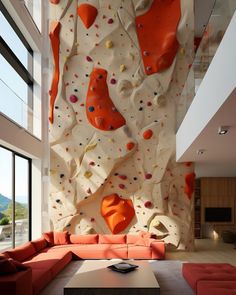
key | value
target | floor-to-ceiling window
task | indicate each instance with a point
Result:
(15, 199)
(18, 101)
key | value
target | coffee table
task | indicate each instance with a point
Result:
(94, 278)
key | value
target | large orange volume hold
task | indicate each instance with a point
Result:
(117, 212)
(87, 13)
(156, 30)
(100, 110)
(189, 184)
(55, 44)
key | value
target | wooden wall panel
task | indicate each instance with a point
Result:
(218, 192)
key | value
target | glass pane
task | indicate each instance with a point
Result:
(21, 201)
(13, 41)
(5, 199)
(34, 8)
(14, 94)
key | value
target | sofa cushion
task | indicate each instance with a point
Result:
(195, 272)
(84, 239)
(100, 251)
(132, 239)
(7, 267)
(61, 238)
(216, 287)
(40, 278)
(139, 252)
(112, 239)
(39, 244)
(23, 252)
(158, 249)
(48, 236)
(61, 263)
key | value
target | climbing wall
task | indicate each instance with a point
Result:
(118, 70)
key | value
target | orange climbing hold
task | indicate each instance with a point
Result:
(87, 13)
(147, 134)
(55, 44)
(156, 30)
(100, 110)
(117, 212)
(189, 184)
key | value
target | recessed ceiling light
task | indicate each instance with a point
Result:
(200, 151)
(223, 130)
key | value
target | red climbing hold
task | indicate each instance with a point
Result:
(73, 98)
(100, 110)
(148, 204)
(130, 145)
(55, 44)
(121, 186)
(189, 184)
(156, 30)
(148, 175)
(54, 1)
(88, 58)
(123, 177)
(87, 13)
(147, 134)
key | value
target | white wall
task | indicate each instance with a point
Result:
(215, 170)
(218, 83)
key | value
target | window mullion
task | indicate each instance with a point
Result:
(13, 199)
(13, 60)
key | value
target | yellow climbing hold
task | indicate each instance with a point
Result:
(90, 147)
(122, 68)
(109, 44)
(132, 56)
(88, 174)
(182, 50)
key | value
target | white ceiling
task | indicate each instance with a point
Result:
(220, 149)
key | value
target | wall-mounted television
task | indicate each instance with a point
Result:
(218, 214)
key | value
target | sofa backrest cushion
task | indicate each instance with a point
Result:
(61, 238)
(132, 239)
(48, 236)
(6, 266)
(39, 244)
(23, 252)
(84, 239)
(112, 239)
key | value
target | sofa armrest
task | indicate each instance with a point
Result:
(19, 283)
(158, 249)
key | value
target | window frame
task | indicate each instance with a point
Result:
(19, 68)
(14, 154)
(9, 55)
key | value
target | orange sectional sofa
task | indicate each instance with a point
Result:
(46, 257)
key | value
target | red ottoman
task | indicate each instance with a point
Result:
(195, 272)
(216, 288)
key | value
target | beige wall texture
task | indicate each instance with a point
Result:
(87, 163)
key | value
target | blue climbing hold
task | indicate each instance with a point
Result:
(91, 108)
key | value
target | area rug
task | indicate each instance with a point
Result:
(167, 272)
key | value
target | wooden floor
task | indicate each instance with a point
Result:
(207, 250)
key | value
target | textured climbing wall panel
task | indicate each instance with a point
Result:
(119, 69)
